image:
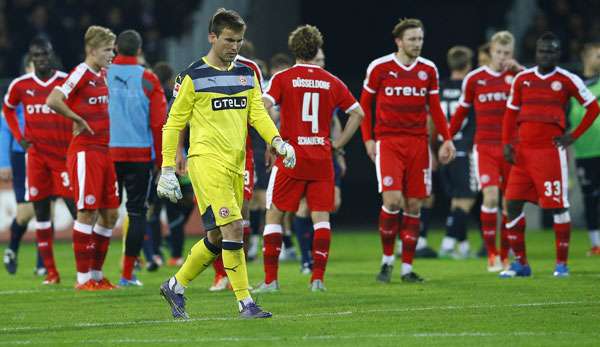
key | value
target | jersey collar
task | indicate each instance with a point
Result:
(492, 72)
(216, 68)
(46, 82)
(543, 77)
(125, 60)
(308, 65)
(404, 67)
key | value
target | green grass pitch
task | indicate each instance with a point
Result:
(459, 304)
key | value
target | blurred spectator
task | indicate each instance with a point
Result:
(574, 22)
(65, 21)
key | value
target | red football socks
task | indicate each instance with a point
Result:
(82, 235)
(218, 266)
(504, 242)
(488, 229)
(409, 233)
(271, 248)
(388, 229)
(562, 232)
(100, 241)
(45, 238)
(320, 253)
(516, 236)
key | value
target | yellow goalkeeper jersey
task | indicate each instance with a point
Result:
(218, 105)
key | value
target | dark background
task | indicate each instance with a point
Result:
(355, 35)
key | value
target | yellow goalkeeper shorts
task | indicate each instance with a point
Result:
(219, 191)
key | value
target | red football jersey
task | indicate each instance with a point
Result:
(251, 64)
(87, 96)
(308, 95)
(487, 91)
(48, 132)
(402, 93)
(541, 101)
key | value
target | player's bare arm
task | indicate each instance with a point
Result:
(56, 101)
(356, 117)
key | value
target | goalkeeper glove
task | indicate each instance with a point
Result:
(168, 185)
(285, 150)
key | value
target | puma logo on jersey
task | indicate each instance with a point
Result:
(527, 83)
(30, 92)
(229, 103)
(393, 73)
(481, 82)
(119, 79)
(92, 83)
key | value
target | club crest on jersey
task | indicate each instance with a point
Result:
(90, 199)
(508, 79)
(33, 191)
(224, 212)
(556, 86)
(485, 179)
(422, 75)
(229, 103)
(388, 181)
(243, 80)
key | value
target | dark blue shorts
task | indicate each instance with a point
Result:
(17, 162)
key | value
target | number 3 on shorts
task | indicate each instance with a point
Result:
(552, 188)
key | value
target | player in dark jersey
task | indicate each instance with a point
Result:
(458, 177)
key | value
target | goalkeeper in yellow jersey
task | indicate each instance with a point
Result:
(218, 97)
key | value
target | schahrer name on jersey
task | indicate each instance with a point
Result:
(229, 103)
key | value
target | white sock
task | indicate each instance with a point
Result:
(83, 277)
(421, 243)
(406, 268)
(464, 247)
(594, 237)
(175, 286)
(96, 275)
(448, 244)
(388, 259)
(245, 302)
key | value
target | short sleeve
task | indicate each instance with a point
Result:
(468, 92)
(434, 82)
(514, 98)
(73, 81)
(580, 91)
(372, 80)
(13, 95)
(273, 91)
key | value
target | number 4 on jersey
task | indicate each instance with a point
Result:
(310, 110)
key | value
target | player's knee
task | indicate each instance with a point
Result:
(413, 206)
(24, 214)
(562, 216)
(109, 217)
(490, 198)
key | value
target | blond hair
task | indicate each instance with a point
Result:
(503, 37)
(96, 36)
